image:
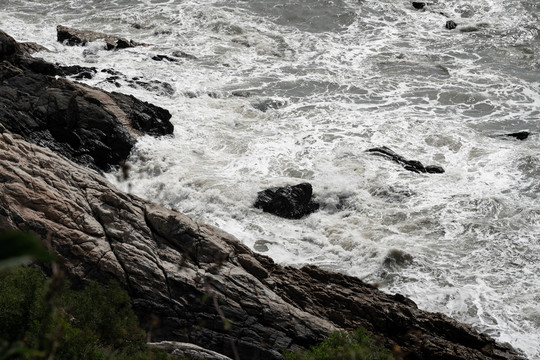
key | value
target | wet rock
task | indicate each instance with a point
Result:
(290, 202)
(164, 57)
(9, 48)
(159, 87)
(156, 86)
(411, 165)
(32, 47)
(450, 25)
(72, 37)
(434, 169)
(185, 278)
(418, 5)
(520, 135)
(85, 124)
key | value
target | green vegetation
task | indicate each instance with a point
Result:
(17, 248)
(343, 346)
(41, 319)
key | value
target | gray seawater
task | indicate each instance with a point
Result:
(336, 78)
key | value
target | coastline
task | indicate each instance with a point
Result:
(168, 262)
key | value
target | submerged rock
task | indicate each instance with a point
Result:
(291, 202)
(418, 5)
(411, 165)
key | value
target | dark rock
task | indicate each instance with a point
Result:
(164, 57)
(411, 165)
(78, 72)
(451, 25)
(520, 135)
(291, 202)
(434, 169)
(144, 117)
(9, 48)
(418, 5)
(72, 37)
(85, 124)
(156, 86)
(32, 47)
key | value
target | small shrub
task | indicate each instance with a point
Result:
(343, 346)
(41, 320)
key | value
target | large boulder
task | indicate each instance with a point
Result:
(290, 202)
(192, 283)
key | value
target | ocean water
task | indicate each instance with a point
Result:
(280, 92)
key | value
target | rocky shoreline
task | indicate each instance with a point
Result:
(191, 283)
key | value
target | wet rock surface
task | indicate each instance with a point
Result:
(411, 165)
(85, 124)
(290, 202)
(519, 135)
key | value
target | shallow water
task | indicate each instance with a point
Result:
(336, 78)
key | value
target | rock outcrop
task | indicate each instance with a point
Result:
(88, 125)
(411, 165)
(72, 37)
(520, 135)
(450, 25)
(290, 202)
(192, 283)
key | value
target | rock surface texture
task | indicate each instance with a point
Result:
(192, 283)
(85, 124)
(290, 202)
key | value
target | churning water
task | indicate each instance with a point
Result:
(279, 92)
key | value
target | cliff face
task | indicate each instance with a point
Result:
(191, 282)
